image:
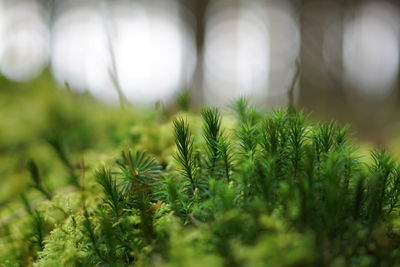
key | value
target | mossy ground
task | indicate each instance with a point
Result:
(151, 187)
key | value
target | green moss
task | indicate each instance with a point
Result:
(252, 189)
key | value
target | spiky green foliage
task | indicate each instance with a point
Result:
(113, 198)
(185, 153)
(225, 152)
(273, 190)
(246, 112)
(183, 100)
(56, 143)
(37, 179)
(212, 135)
(138, 172)
(37, 226)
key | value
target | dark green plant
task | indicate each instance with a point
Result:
(382, 169)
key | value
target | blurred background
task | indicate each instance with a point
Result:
(338, 59)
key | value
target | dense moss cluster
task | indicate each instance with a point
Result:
(256, 189)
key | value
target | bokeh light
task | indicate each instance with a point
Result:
(236, 52)
(371, 49)
(149, 50)
(24, 40)
(78, 43)
(148, 43)
(250, 48)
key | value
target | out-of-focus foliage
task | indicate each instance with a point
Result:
(273, 190)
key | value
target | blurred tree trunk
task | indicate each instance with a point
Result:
(322, 86)
(198, 9)
(321, 29)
